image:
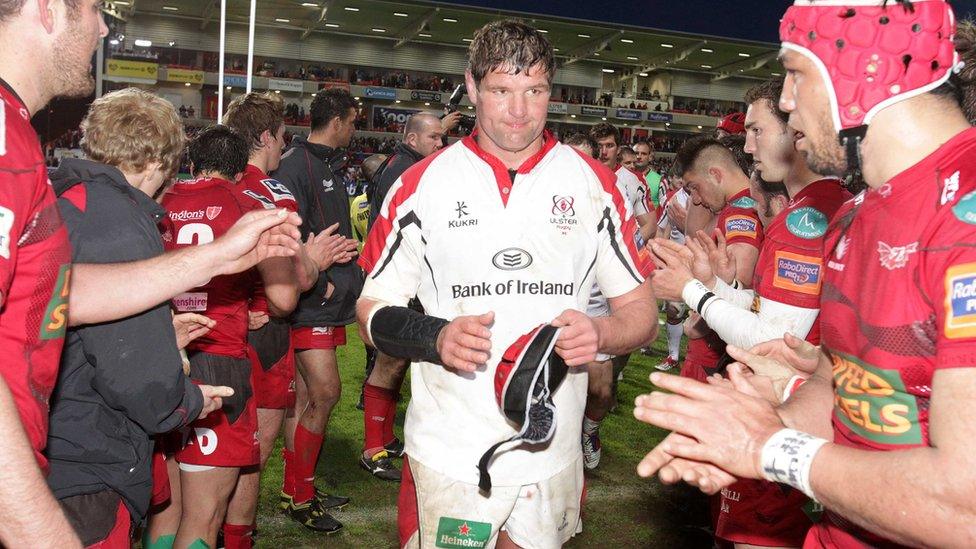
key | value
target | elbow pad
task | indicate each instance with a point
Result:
(404, 333)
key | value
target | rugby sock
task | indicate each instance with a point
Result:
(391, 410)
(162, 542)
(675, 331)
(376, 409)
(307, 448)
(590, 426)
(238, 536)
(288, 480)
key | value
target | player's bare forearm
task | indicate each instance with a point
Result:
(629, 326)
(307, 271)
(101, 293)
(746, 257)
(280, 285)
(927, 498)
(31, 515)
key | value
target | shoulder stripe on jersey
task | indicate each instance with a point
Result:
(613, 243)
(409, 219)
(609, 181)
(383, 226)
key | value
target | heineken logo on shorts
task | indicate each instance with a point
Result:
(965, 210)
(744, 202)
(807, 223)
(452, 532)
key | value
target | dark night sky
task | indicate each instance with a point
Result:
(744, 19)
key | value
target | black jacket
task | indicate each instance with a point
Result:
(402, 158)
(119, 382)
(322, 201)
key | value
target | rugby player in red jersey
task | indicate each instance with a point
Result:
(893, 381)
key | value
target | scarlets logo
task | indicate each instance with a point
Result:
(563, 205)
(895, 257)
(213, 211)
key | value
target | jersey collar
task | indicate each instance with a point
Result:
(499, 169)
(738, 195)
(13, 93)
(255, 172)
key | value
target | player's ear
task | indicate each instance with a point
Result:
(238, 176)
(266, 138)
(472, 87)
(716, 174)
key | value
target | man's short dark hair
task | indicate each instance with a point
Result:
(10, 8)
(965, 80)
(511, 46)
(221, 150)
(328, 105)
(737, 145)
(693, 149)
(771, 189)
(626, 149)
(578, 139)
(604, 130)
(768, 91)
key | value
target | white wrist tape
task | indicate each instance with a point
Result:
(697, 295)
(787, 458)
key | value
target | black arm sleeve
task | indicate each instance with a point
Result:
(404, 333)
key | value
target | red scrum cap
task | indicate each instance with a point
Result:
(734, 123)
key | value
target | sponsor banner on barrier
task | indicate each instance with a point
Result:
(660, 117)
(184, 75)
(235, 81)
(380, 93)
(329, 84)
(131, 69)
(421, 95)
(392, 114)
(627, 114)
(285, 85)
(593, 111)
(558, 108)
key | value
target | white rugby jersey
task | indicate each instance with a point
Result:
(459, 234)
(634, 189)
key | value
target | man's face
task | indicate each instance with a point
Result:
(347, 127)
(429, 139)
(805, 98)
(643, 152)
(769, 141)
(629, 161)
(277, 143)
(703, 190)
(511, 108)
(608, 151)
(77, 32)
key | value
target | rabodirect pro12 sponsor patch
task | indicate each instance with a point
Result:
(960, 304)
(740, 226)
(798, 273)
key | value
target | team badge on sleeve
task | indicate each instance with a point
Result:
(740, 226)
(744, 202)
(965, 209)
(807, 223)
(278, 190)
(960, 304)
(798, 273)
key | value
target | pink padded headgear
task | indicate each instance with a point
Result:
(870, 54)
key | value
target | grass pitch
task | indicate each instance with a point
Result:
(622, 510)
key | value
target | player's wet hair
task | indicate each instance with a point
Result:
(328, 105)
(10, 8)
(220, 150)
(510, 46)
(604, 130)
(577, 140)
(253, 113)
(737, 145)
(696, 149)
(769, 92)
(626, 149)
(965, 81)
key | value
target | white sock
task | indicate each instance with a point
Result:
(675, 331)
(590, 426)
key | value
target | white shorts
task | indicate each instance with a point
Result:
(598, 306)
(438, 511)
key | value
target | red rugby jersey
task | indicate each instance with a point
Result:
(739, 221)
(199, 211)
(35, 268)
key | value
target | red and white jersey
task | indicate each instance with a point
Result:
(199, 211)
(791, 262)
(35, 268)
(899, 303)
(467, 236)
(634, 188)
(271, 193)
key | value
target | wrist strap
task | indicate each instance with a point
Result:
(736, 285)
(787, 458)
(697, 295)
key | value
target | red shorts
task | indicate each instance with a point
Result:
(227, 437)
(699, 356)
(119, 537)
(272, 366)
(759, 512)
(325, 337)
(161, 492)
